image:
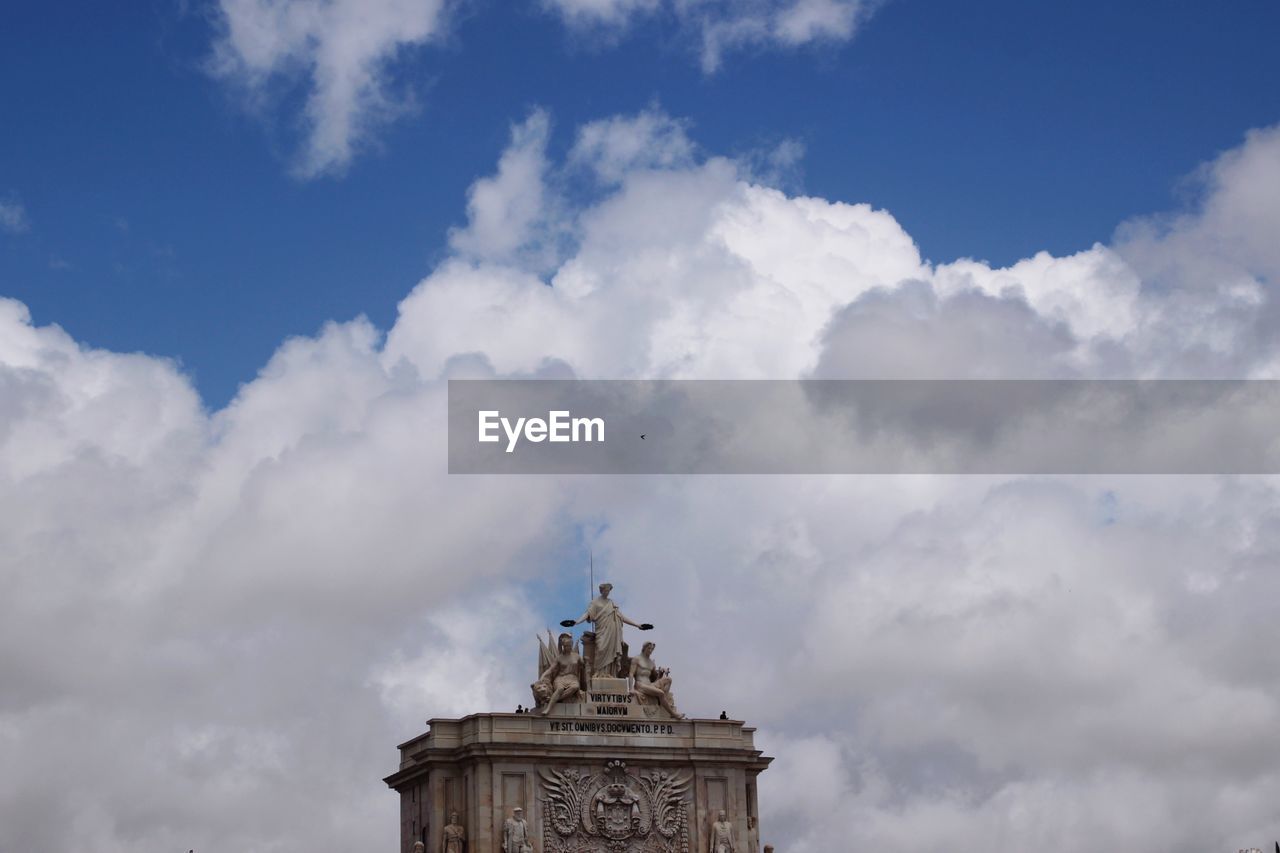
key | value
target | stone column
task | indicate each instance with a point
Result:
(484, 817)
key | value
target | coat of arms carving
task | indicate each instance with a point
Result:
(615, 811)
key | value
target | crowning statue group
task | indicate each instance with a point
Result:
(563, 675)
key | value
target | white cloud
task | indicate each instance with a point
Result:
(342, 50)
(202, 608)
(512, 210)
(678, 272)
(614, 147)
(521, 216)
(722, 26)
(590, 13)
(13, 216)
(341, 55)
(1211, 270)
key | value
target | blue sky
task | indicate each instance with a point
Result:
(164, 216)
(231, 535)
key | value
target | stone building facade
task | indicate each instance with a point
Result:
(604, 763)
(588, 778)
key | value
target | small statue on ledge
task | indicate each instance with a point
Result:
(722, 835)
(515, 833)
(652, 684)
(560, 675)
(454, 835)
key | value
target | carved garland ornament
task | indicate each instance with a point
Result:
(614, 810)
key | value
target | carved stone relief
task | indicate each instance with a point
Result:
(615, 810)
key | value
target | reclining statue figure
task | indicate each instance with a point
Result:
(652, 684)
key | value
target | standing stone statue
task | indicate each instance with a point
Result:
(722, 835)
(515, 833)
(455, 836)
(651, 683)
(607, 620)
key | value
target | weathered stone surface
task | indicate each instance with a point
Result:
(638, 785)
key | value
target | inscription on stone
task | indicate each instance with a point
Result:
(610, 704)
(612, 698)
(591, 727)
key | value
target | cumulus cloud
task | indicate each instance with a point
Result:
(995, 665)
(1213, 268)
(224, 621)
(184, 624)
(722, 26)
(13, 215)
(340, 52)
(522, 215)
